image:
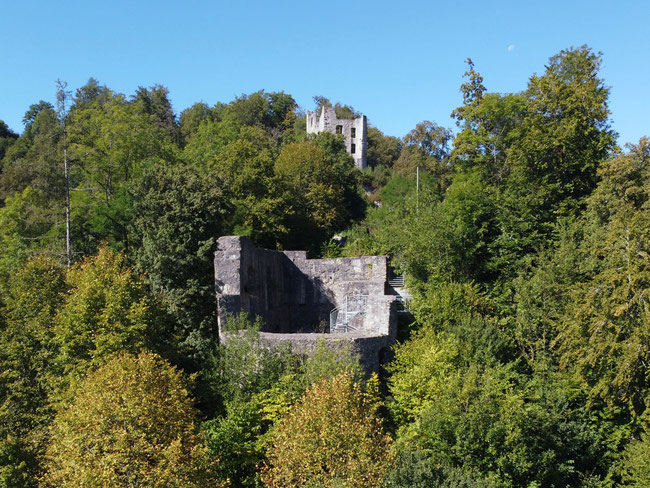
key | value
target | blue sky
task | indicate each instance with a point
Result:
(397, 62)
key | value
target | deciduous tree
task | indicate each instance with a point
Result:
(329, 439)
(129, 423)
(108, 309)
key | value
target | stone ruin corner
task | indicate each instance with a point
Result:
(344, 301)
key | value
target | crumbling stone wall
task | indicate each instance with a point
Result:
(353, 130)
(294, 296)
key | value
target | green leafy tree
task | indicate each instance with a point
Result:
(111, 142)
(544, 290)
(636, 461)
(129, 423)
(34, 293)
(178, 214)
(488, 423)
(487, 122)
(91, 93)
(35, 159)
(30, 116)
(7, 138)
(329, 438)
(249, 378)
(566, 132)
(382, 150)
(448, 238)
(26, 228)
(321, 188)
(191, 118)
(489, 127)
(319, 200)
(426, 147)
(211, 137)
(605, 333)
(154, 101)
(274, 112)
(539, 150)
(245, 165)
(108, 309)
(258, 386)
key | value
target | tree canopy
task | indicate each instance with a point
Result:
(522, 356)
(129, 423)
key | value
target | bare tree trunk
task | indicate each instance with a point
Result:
(62, 99)
(68, 248)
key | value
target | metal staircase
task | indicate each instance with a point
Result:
(342, 318)
(397, 281)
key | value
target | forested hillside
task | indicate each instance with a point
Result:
(525, 361)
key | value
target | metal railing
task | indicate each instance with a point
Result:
(341, 318)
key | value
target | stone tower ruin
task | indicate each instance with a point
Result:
(341, 301)
(353, 130)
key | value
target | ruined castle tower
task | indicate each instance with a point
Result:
(353, 130)
(303, 302)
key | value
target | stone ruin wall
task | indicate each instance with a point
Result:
(294, 296)
(326, 121)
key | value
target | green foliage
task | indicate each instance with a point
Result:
(538, 150)
(246, 164)
(91, 92)
(131, 422)
(234, 440)
(524, 247)
(33, 295)
(636, 462)
(154, 101)
(111, 142)
(566, 131)
(320, 185)
(7, 138)
(245, 365)
(421, 370)
(25, 229)
(107, 310)
(382, 150)
(328, 439)
(191, 118)
(258, 386)
(606, 330)
(447, 239)
(381, 232)
(178, 214)
(543, 291)
(426, 147)
(35, 159)
(488, 423)
(17, 468)
(209, 139)
(325, 362)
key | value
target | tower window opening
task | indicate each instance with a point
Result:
(339, 129)
(353, 149)
(353, 132)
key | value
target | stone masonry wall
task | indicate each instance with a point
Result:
(294, 295)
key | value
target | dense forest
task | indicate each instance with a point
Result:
(524, 362)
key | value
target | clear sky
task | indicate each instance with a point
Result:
(397, 62)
